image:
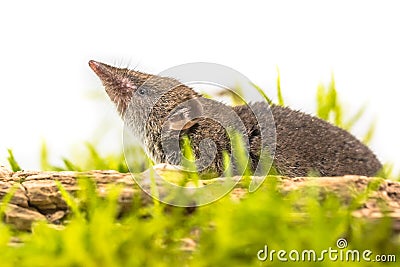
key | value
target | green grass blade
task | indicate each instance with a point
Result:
(95, 158)
(227, 164)
(6, 199)
(241, 156)
(322, 110)
(370, 133)
(278, 88)
(71, 202)
(70, 166)
(356, 117)
(387, 172)
(262, 93)
(190, 160)
(328, 106)
(13, 162)
(338, 118)
(44, 157)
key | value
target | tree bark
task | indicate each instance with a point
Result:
(37, 196)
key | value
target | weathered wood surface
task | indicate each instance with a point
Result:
(37, 196)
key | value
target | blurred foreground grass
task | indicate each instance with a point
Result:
(225, 233)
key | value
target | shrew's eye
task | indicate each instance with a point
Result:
(141, 91)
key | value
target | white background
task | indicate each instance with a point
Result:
(45, 46)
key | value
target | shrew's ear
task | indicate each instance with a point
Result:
(185, 115)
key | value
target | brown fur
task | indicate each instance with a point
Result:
(304, 144)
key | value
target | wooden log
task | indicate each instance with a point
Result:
(37, 196)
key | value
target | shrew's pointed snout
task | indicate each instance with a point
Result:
(102, 70)
(94, 64)
(117, 83)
